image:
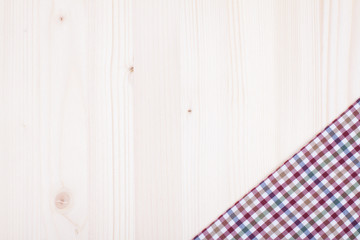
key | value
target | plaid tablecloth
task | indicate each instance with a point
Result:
(313, 195)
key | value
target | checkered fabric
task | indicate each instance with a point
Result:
(313, 195)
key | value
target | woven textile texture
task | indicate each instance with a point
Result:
(313, 195)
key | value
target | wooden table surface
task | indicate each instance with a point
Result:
(147, 119)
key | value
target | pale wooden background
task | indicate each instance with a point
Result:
(155, 116)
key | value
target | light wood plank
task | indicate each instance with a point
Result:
(157, 120)
(66, 135)
(20, 164)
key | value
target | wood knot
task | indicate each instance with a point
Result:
(131, 69)
(61, 18)
(62, 200)
(189, 110)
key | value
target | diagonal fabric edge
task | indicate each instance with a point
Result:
(313, 195)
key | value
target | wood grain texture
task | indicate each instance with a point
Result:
(66, 126)
(135, 119)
